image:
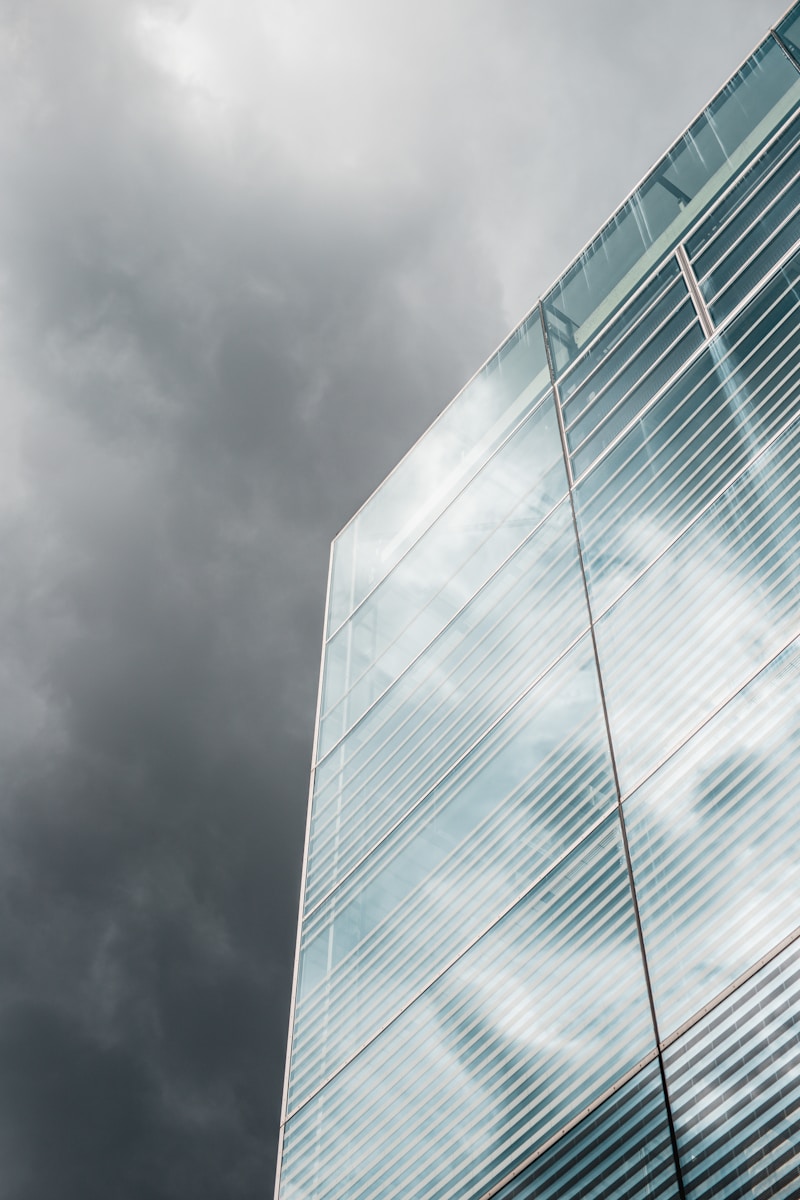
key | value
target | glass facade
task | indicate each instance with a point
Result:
(550, 930)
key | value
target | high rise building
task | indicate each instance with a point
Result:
(550, 933)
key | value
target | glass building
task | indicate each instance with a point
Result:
(550, 928)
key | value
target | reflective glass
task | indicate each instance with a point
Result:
(693, 440)
(763, 180)
(707, 616)
(461, 550)
(627, 380)
(622, 1150)
(529, 789)
(734, 1089)
(620, 340)
(535, 1021)
(675, 194)
(755, 226)
(789, 30)
(437, 468)
(713, 839)
(511, 631)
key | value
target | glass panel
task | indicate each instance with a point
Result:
(752, 229)
(692, 441)
(768, 228)
(623, 1150)
(707, 616)
(713, 839)
(789, 29)
(674, 346)
(535, 1021)
(620, 338)
(502, 641)
(437, 468)
(627, 366)
(446, 566)
(530, 788)
(734, 1089)
(675, 194)
(765, 178)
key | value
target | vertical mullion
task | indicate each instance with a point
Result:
(606, 721)
(787, 50)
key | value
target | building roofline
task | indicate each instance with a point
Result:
(576, 258)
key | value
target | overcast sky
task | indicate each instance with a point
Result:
(247, 252)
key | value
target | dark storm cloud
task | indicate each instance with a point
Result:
(246, 256)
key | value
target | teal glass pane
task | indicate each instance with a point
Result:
(673, 197)
(460, 551)
(699, 434)
(622, 1150)
(713, 840)
(708, 615)
(529, 789)
(789, 30)
(758, 224)
(437, 468)
(765, 181)
(619, 342)
(628, 366)
(535, 1021)
(506, 636)
(734, 1089)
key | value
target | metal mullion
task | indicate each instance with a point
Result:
(698, 300)
(634, 498)
(618, 789)
(785, 47)
(471, 745)
(577, 1085)
(652, 336)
